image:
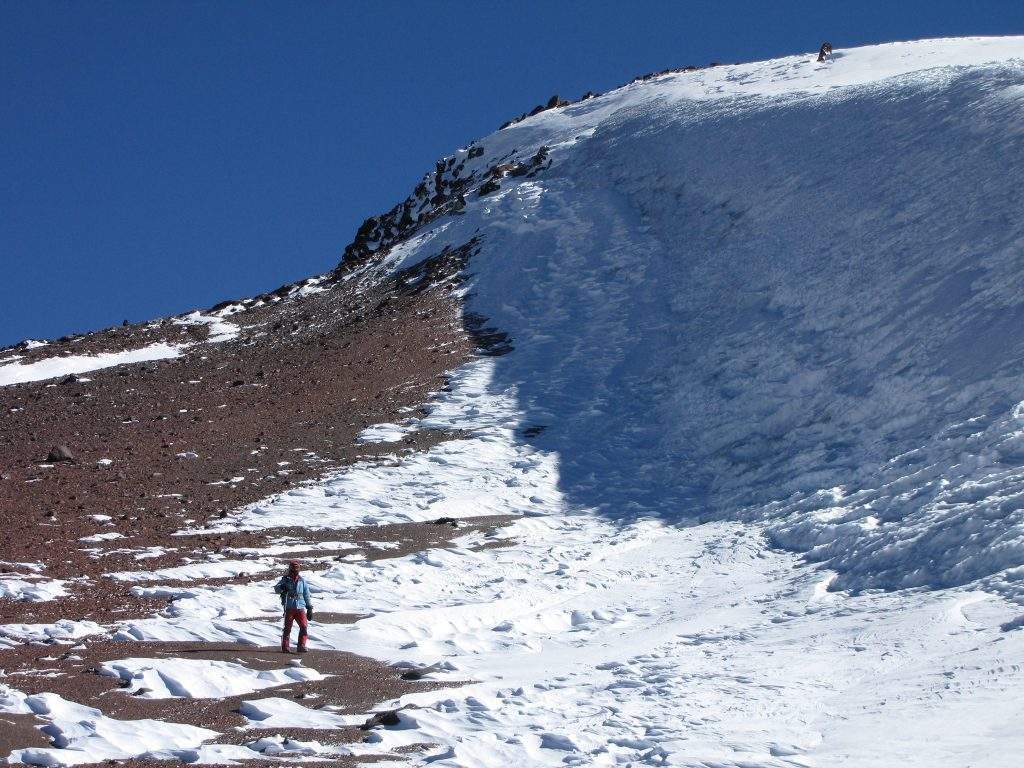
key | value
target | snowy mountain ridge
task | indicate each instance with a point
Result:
(439, 192)
(765, 273)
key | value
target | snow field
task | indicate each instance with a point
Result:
(595, 642)
(783, 292)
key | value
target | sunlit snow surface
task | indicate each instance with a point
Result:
(54, 367)
(31, 589)
(199, 679)
(767, 326)
(86, 735)
(782, 291)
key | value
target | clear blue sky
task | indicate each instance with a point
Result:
(161, 156)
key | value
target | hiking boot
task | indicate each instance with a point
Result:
(302, 650)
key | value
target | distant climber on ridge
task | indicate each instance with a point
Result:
(297, 606)
(825, 50)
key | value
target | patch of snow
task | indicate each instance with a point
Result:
(311, 286)
(62, 631)
(12, 701)
(449, 480)
(285, 548)
(220, 329)
(34, 590)
(151, 552)
(385, 433)
(206, 754)
(108, 536)
(85, 735)
(199, 679)
(53, 367)
(229, 481)
(36, 567)
(216, 569)
(285, 713)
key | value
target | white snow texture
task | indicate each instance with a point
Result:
(54, 367)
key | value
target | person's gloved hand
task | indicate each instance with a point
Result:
(309, 612)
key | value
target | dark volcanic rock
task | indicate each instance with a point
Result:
(388, 718)
(60, 453)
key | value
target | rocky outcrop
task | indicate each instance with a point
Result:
(60, 453)
(553, 103)
(440, 193)
(443, 191)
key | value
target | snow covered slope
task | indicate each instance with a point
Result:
(782, 290)
(784, 293)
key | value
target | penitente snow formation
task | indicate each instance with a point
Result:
(681, 425)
